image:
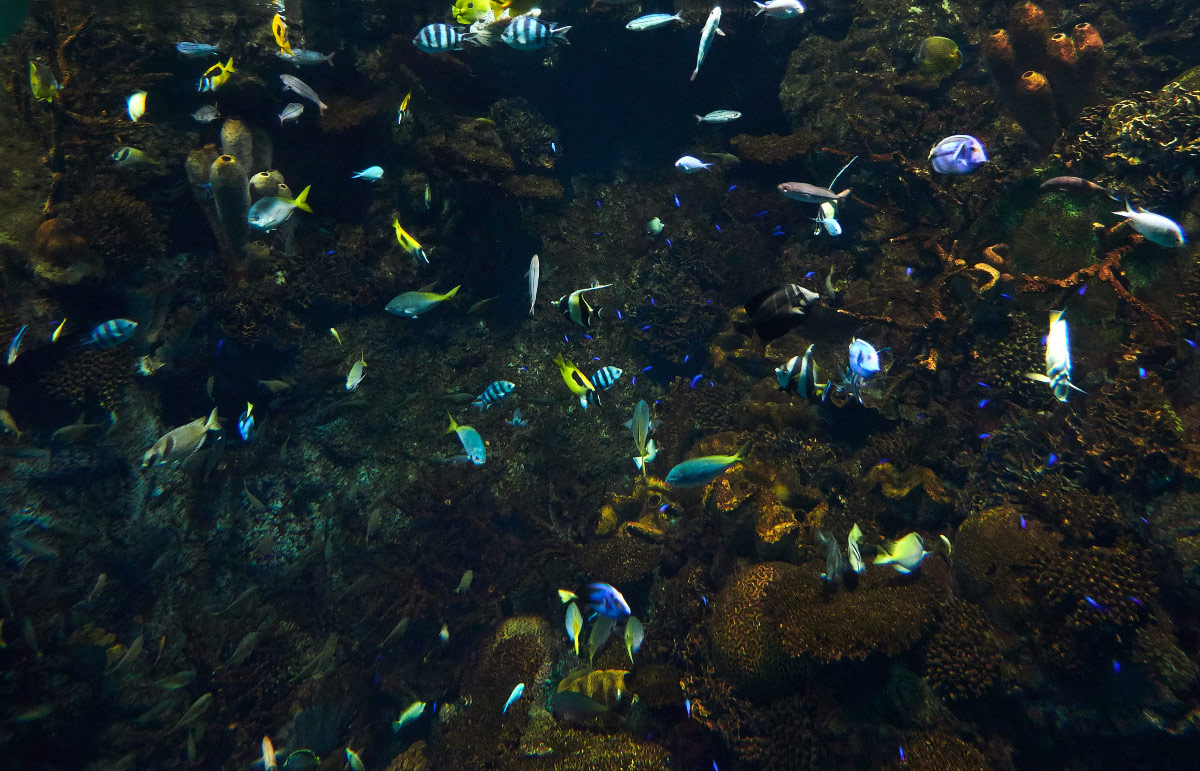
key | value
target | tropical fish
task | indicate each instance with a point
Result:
(8, 423)
(719, 116)
(42, 82)
(179, 444)
(112, 333)
(246, 423)
(464, 583)
(574, 706)
(355, 376)
(352, 758)
(647, 457)
(635, 634)
(701, 471)
(1156, 228)
(407, 242)
(371, 174)
(654, 227)
(216, 76)
(525, 33)
(938, 56)
(512, 697)
(302, 89)
(57, 333)
(414, 711)
(904, 555)
(1058, 359)
(429, 201)
(14, 347)
(711, 29)
(271, 211)
(176, 681)
(280, 30)
(607, 601)
(799, 376)
(803, 191)
(194, 712)
(606, 377)
(689, 165)
(444, 634)
(574, 624)
(601, 630)
(291, 112)
(575, 307)
(641, 426)
(652, 21)
(959, 154)
(402, 115)
(412, 304)
(566, 595)
(516, 421)
(776, 311)
(833, 557)
(472, 442)
(853, 549)
(864, 359)
(275, 386)
(196, 50)
(780, 9)
(492, 394)
(575, 380)
(535, 272)
(302, 57)
(206, 114)
(827, 218)
(470, 11)
(135, 105)
(128, 157)
(1076, 185)
(436, 38)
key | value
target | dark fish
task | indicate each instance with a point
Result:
(571, 706)
(1076, 185)
(803, 191)
(776, 311)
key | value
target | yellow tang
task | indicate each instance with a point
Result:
(407, 242)
(42, 82)
(280, 31)
(938, 56)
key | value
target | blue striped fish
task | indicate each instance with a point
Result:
(111, 333)
(436, 38)
(526, 33)
(493, 393)
(606, 377)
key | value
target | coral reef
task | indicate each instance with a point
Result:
(963, 660)
(92, 376)
(121, 230)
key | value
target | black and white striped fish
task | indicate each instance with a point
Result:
(492, 394)
(606, 377)
(526, 33)
(112, 333)
(436, 38)
(802, 379)
(576, 308)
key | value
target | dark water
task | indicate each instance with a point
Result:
(897, 549)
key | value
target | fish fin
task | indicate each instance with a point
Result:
(699, 119)
(719, 31)
(743, 450)
(453, 292)
(213, 423)
(843, 194)
(301, 200)
(744, 327)
(1039, 377)
(559, 35)
(695, 72)
(330, 58)
(1077, 388)
(453, 425)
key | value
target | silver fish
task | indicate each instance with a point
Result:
(206, 114)
(706, 37)
(292, 112)
(719, 116)
(803, 191)
(299, 87)
(304, 57)
(535, 272)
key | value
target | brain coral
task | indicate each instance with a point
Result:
(964, 655)
(745, 627)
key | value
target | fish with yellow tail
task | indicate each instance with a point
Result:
(42, 82)
(408, 243)
(268, 755)
(575, 306)
(473, 445)
(904, 555)
(574, 625)
(280, 30)
(403, 114)
(700, 471)
(180, 443)
(356, 372)
(641, 425)
(216, 76)
(576, 381)
(1058, 359)
(411, 305)
(271, 211)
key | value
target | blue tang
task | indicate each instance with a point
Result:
(959, 154)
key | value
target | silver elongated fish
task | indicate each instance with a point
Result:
(535, 272)
(719, 116)
(291, 112)
(652, 21)
(15, 346)
(190, 49)
(299, 87)
(706, 38)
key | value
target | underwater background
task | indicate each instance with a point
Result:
(745, 468)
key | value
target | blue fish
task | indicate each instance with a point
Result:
(370, 174)
(701, 471)
(516, 694)
(436, 38)
(526, 33)
(606, 377)
(958, 154)
(112, 333)
(607, 601)
(472, 442)
(517, 421)
(492, 394)
(246, 423)
(864, 359)
(197, 49)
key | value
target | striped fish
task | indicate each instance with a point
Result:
(575, 307)
(606, 377)
(436, 38)
(112, 333)
(526, 33)
(492, 394)
(799, 376)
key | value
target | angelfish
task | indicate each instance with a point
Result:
(706, 38)
(853, 550)
(1058, 359)
(904, 555)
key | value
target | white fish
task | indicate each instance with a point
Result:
(904, 555)
(689, 165)
(136, 105)
(780, 9)
(512, 697)
(651, 453)
(206, 114)
(719, 116)
(298, 86)
(180, 443)
(356, 373)
(652, 21)
(268, 755)
(1157, 229)
(853, 550)
(827, 218)
(15, 346)
(635, 634)
(706, 37)
(1058, 359)
(292, 112)
(574, 624)
(370, 174)
(535, 272)
(414, 711)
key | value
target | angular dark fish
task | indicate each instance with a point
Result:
(776, 311)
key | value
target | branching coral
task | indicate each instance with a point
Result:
(88, 375)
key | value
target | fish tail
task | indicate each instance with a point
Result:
(453, 425)
(301, 200)
(229, 65)
(453, 291)
(743, 450)
(559, 35)
(213, 424)
(695, 72)
(330, 58)
(699, 119)
(744, 327)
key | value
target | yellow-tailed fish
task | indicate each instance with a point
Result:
(566, 595)
(938, 56)
(58, 331)
(407, 242)
(216, 76)
(280, 30)
(268, 749)
(356, 372)
(575, 380)
(904, 555)
(635, 634)
(336, 336)
(354, 761)
(574, 624)
(402, 114)
(41, 80)
(701, 471)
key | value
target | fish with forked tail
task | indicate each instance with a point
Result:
(179, 444)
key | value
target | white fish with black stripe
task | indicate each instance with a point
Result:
(437, 38)
(492, 394)
(575, 307)
(606, 377)
(526, 33)
(799, 376)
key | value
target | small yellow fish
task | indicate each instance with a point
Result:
(336, 336)
(8, 424)
(356, 372)
(280, 31)
(575, 380)
(217, 75)
(574, 624)
(136, 104)
(41, 81)
(428, 197)
(471, 11)
(404, 104)
(268, 749)
(407, 242)
(58, 331)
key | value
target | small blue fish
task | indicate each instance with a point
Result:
(196, 50)
(492, 394)
(677, 204)
(112, 333)
(607, 601)
(246, 423)
(516, 694)
(606, 377)
(517, 421)
(527, 33)
(864, 359)
(370, 174)
(959, 154)
(472, 442)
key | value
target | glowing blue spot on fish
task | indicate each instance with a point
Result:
(704, 599)
(594, 358)
(329, 252)
(677, 200)
(647, 368)
(1006, 296)
(695, 380)
(1052, 459)
(778, 234)
(523, 369)
(902, 755)
(983, 403)
(652, 301)
(599, 233)
(1142, 372)
(220, 345)
(633, 380)
(732, 188)
(687, 707)
(554, 148)
(985, 436)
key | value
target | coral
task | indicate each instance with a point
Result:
(898, 484)
(940, 752)
(122, 230)
(533, 186)
(570, 749)
(92, 375)
(1176, 534)
(773, 149)
(60, 255)
(525, 134)
(1132, 437)
(964, 659)
(620, 560)
(1082, 516)
(782, 737)
(744, 627)
(992, 548)
(473, 149)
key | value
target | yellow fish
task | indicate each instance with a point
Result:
(41, 80)
(575, 380)
(216, 76)
(407, 242)
(280, 31)
(336, 336)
